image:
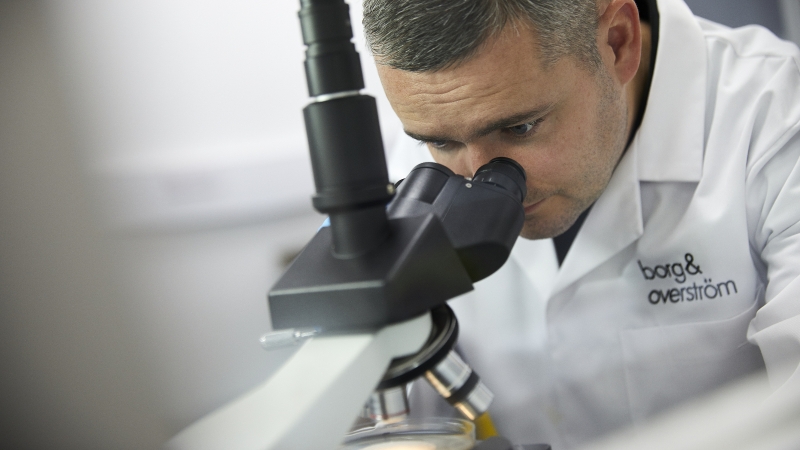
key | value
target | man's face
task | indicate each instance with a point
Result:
(565, 125)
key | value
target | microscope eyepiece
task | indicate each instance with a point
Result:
(504, 173)
(332, 63)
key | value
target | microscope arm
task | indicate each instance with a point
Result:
(313, 399)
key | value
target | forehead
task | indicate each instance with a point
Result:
(506, 76)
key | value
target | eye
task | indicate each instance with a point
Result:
(440, 146)
(521, 129)
(524, 129)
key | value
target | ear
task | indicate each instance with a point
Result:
(619, 39)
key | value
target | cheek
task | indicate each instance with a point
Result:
(551, 163)
(574, 153)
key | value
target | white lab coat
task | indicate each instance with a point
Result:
(685, 273)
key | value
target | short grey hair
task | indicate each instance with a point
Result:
(429, 35)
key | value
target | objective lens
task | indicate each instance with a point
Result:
(387, 404)
(454, 380)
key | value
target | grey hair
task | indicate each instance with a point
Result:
(429, 35)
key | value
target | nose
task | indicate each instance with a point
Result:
(477, 155)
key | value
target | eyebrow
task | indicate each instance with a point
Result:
(504, 122)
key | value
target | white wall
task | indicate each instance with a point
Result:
(153, 176)
(190, 111)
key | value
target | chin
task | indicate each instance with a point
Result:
(545, 228)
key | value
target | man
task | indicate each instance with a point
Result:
(662, 157)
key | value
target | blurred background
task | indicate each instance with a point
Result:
(154, 182)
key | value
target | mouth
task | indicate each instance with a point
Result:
(529, 209)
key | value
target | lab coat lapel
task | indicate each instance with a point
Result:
(614, 222)
(665, 147)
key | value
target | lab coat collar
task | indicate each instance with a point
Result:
(667, 147)
(672, 131)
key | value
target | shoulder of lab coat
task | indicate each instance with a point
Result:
(762, 97)
(745, 84)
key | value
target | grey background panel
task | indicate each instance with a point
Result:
(790, 17)
(736, 13)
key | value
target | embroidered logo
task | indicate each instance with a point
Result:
(680, 272)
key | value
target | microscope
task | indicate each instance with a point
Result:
(368, 293)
